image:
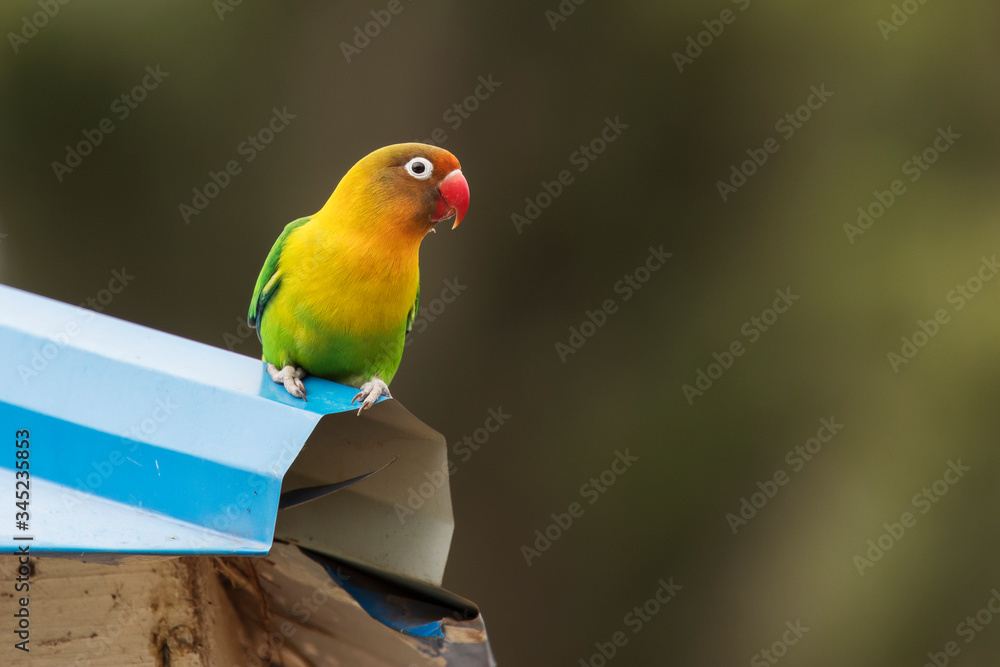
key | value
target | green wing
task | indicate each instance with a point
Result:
(270, 277)
(412, 315)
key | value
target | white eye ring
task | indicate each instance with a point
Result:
(420, 168)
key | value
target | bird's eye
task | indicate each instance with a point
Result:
(420, 168)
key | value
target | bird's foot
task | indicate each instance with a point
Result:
(370, 392)
(291, 378)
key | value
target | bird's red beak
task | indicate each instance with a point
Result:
(453, 198)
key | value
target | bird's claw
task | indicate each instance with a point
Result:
(370, 392)
(291, 378)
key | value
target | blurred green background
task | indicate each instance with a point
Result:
(656, 184)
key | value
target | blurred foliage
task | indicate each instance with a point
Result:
(495, 345)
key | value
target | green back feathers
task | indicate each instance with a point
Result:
(270, 277)
(412, 315)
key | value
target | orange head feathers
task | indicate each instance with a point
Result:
(402, 188)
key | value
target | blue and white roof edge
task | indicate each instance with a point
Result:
(139, 441)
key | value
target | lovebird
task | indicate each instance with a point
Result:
(339, 290)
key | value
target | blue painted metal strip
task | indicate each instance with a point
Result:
(192, 440)
(413, 617)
